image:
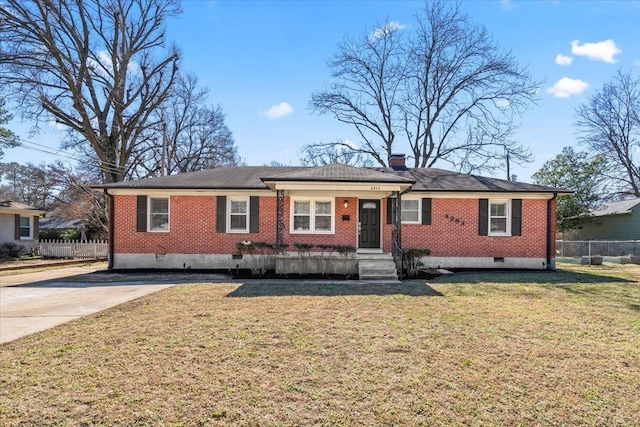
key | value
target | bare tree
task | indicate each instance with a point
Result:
(366, 80)
(191, 135)
(56, 188)
(98, 68)
(447, 88)
(609, 124)
(336, 152)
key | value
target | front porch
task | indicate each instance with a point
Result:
(368, 266)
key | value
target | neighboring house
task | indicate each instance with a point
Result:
(62, 226)
(614, 221)
(19, 224)
(195, 220)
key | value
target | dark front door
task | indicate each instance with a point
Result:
(369, 224)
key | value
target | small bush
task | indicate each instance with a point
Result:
(412, 259)
(345, 250)
(12, 249)
(303, 248)
(261, 254)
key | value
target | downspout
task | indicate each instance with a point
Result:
(549, 234)
(110, 223)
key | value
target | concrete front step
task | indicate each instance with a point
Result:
(393, 278)
(377, 269)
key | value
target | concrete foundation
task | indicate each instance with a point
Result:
(311, 264)
(486, 262)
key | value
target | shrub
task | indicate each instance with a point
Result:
(261, 254)
(12, 249)
(412, 259)
(303, 248)
(345, 250)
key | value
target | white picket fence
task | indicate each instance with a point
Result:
(91, 249)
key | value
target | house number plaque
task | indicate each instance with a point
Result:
(454, 219)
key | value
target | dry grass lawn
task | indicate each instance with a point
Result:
(471, 349)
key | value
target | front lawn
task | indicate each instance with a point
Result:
(468, 349)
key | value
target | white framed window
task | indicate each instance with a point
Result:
(499, 221)
(26, 228)
(158, 209)
(312, 216)
(238, 215)
(410, 211)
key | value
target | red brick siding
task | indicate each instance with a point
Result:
(192, 227)
(448, 238)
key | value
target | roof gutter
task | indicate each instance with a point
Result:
(110, 225)
(549, 233)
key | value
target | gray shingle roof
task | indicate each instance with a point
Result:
(340, 173)
(432, 179)
(616, 208)
(252, 177)
(60, 223)
(226, 178)
(10, 204)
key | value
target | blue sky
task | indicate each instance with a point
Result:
(262, 60)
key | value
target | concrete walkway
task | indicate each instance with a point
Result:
(33, 302)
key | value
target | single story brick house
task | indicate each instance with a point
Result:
(19, 224)
(195, 220)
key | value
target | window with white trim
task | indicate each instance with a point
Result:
(499, 218)
(158, 214)
(410, 211)
(26, 228)
(312, 216)
(238, 214)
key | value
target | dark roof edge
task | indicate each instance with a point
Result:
(530, 190)
(146, 187)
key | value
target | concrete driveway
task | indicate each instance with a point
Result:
(33, 302)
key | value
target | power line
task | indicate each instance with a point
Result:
(30, 145)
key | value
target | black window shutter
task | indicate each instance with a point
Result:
(221, 214)
(389, 210)
(17, 227)
(483, 217)
(141, 219)
(254, 210)
(426, 211)
(516, 217)
(36, 227)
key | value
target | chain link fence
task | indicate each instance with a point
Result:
(619, 250)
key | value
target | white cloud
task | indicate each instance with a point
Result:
(503, 104)
(507, 4)
(601, 51)
(350, 143)
(566, 87)
(563, 60)
(277, 111)
(57, 126)
(389, 27)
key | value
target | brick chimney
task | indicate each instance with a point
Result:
(397, 162)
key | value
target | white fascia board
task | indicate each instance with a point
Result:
(479, 195)
(23, 212)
